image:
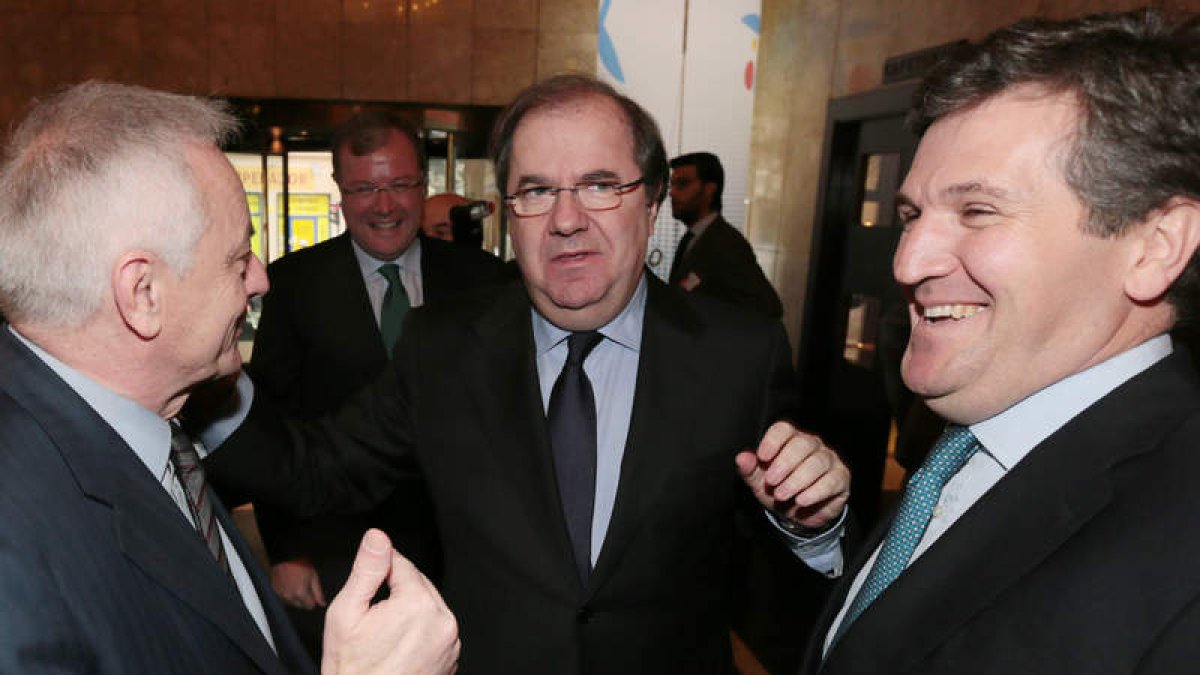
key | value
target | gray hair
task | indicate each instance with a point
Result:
(1136, 79)
(93, 171)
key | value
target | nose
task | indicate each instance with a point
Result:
(256, 278)
(567, 216)
(925, 251)
(383, 201)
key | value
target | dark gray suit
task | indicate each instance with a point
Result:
(100, 572)
(462, 405)
(1079, 560)
(725, 263)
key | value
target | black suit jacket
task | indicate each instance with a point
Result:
(461, 402)
(100, 572)
(1073, 563)
(725, 263)
(317, 344)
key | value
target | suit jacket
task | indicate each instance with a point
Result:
(1072, 563)
(461, 404)
(318, 343)
(727, 268)
(100, 572)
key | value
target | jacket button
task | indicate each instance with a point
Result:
(584, 615)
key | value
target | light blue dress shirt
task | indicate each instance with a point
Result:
(149, 436)
(1006, 439)
(612, 369)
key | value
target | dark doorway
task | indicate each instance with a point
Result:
(856, 324)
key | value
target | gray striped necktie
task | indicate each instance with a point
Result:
(186, 462)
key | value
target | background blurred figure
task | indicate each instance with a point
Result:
(713, 257)
(323, 335)
(436, 222)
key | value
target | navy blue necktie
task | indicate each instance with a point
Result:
(571, 418)
(677, 262)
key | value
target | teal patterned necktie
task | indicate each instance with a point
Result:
(395, 305)
(948, 455)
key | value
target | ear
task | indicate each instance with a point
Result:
(137, 290)
(652, 214)
(1169, 236)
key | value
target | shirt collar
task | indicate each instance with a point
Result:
(1010, 435)
(143, 430)
(625, 328)
(368, 265)
(702, 224)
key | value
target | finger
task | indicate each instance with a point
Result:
(796, 476)
(747, 465)
(372, 566)
(774, 440)
(819, 504)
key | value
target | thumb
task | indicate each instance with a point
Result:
(371, 567)
(747, 464)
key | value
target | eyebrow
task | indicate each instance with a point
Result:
(958, 190)
(597, 174)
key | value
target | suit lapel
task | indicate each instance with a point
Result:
(346, 294)
(1039, 505)
(667, 366)
(150, 529)
(509, 404)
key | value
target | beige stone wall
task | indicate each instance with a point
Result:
(436, 51)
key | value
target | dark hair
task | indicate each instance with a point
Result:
(554, 92)
(1135, 77)
(368, 130)
(708, 170)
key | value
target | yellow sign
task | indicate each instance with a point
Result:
(309, 218)
(299, 177)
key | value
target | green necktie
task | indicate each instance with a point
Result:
(395, 305)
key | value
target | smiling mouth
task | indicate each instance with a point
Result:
(937, 313)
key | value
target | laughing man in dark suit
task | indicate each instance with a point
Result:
(1051, 222)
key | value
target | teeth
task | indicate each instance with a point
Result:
(952, 311)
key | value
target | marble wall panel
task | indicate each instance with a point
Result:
(173, 59)
(373, 61)
(503, 62)
(559, 52)
(105, 47)
(506, 14)
(242, 57)
(439, 60)
(308, 56)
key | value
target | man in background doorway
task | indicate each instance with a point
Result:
(327, 328)
(713, 257)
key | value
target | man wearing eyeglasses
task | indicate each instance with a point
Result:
(327, 330)
(583, 431)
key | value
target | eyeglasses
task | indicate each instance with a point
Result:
(593, 196)
(368, 191)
